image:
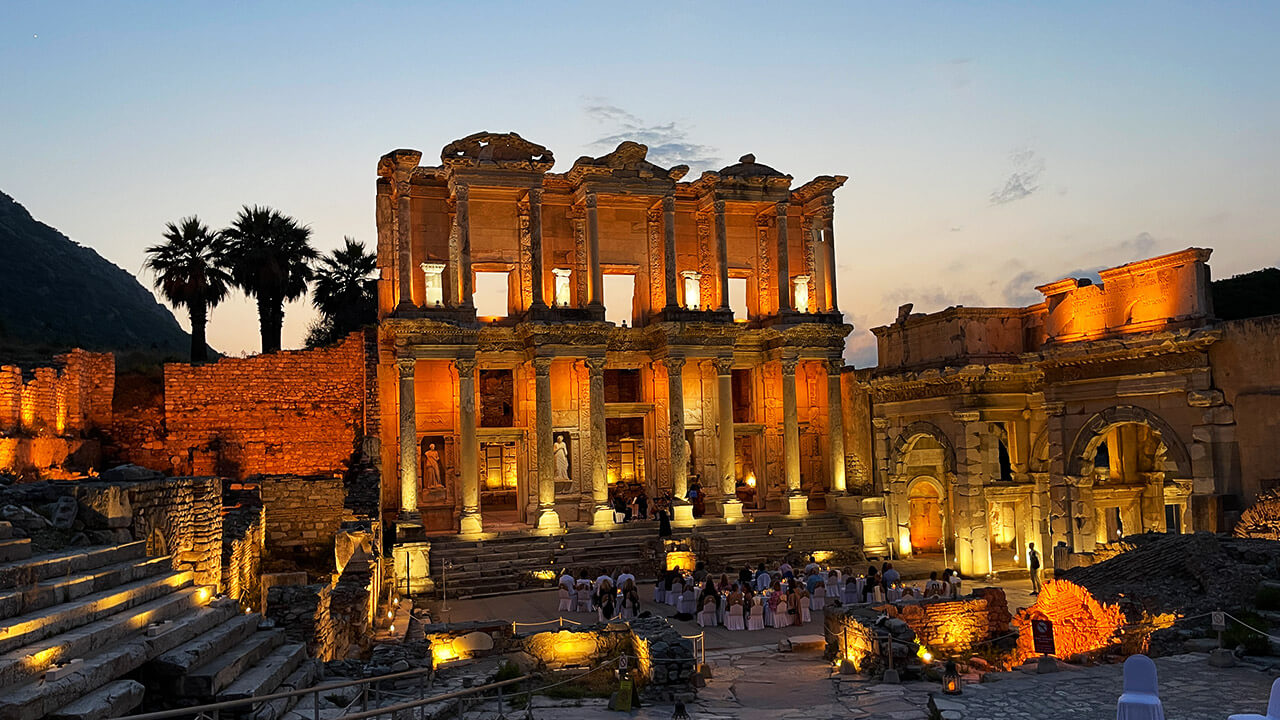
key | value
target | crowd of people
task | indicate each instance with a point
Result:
(798, 590)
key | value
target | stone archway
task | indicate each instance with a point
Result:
(902, 445)
(925, 501)
(1175, 460)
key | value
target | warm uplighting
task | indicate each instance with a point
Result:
(1081, 624)
(822, 556)
(442, 652)
(751, 480)
(202, 595)
(925, 655)
(390, 614)
(681, 559)
(544, 574)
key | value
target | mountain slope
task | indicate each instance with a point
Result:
(56, 294)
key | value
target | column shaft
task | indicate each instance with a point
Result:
(547, 517)
(468, 449)
(599, 446)
(731, 506)
(669, 251)
(463, 220)
(829, 240)
(835, 411)
(795, 503)
(535, 247)
(404, 258)
(596, 286)
(784, 268)
(679, 452)
(408, 438)
(722, 258)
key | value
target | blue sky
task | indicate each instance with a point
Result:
(990, 146)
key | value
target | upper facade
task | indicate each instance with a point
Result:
(740, 245)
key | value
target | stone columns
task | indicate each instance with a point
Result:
(827, 228)
(797, 504)
(835, 413)
(462, 218)
(731, 506)
(722, 259)
(547, 517)
(599, 447)
(679, 451)
(535, 248)
(408, 438)
(975, 463)
(404, 254)
(468, 449)
(669, 252)
(596, 287)
(784, 267)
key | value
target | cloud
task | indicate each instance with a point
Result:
(1137, 247)
(1023, 181)
(668, 142)
(1020, 290)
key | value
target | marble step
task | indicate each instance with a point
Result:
(39, 698)
(206, 681)
(15, 549)
(201, 650)
(30, 661)
(55, 590)
(304, 677)
(111, 700)
(35, 626)
(66, 562)
(266, 676)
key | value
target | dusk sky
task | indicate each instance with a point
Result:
(990, 146)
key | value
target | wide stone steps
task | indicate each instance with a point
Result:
(42, 697)
(32, 660)
(15, 549)
(21, 573)
(57, 590)
(205, 682)
(46, 623)
(267, 675)
(201, 650)
(111, 700)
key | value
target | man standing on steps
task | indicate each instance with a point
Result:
(1033, 561)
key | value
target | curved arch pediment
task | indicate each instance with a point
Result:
(917, 429)
(1091, 433)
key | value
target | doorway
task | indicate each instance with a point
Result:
(924, 506)
(499, 482)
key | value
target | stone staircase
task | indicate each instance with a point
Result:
(80, 628)
(501, 564)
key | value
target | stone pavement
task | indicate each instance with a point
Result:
(1189, 690)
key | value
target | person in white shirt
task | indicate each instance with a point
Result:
(566, 580)
(763, 581)
(891, 576)
(623, 578)
(604, 578)
(812, 567)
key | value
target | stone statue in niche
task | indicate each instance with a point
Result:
(432, 467)
(561, 296)
(801, 293)
(561, 452)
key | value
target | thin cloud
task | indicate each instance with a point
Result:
(1024, 181)
(668, 142)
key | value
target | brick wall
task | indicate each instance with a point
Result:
(303, 512)
(46, 415)
(952, 627)
(330, 619)
(1081, 624)
(298, 411)
(243, 536)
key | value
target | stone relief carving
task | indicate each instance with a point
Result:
(508, 151)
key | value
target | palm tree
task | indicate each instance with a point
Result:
(269, 256)
(188, 273)
(344, 293)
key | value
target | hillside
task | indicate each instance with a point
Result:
(56, 294)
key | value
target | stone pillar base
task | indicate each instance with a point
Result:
(470, 523)
(682, 513)
(731, 510)
(548, 519)
(797, 505)
(603, 517)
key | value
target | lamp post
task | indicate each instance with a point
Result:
(444, 584)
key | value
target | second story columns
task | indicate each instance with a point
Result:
(462, 229)
(669, 252)
(595, 288)
(784, 268)
(722, 258)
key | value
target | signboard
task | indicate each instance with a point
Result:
(623, 702)
(1042, 636)
(1219, 621)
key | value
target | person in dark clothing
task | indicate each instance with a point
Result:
(744, 576)
(664, 523)
(642, 505)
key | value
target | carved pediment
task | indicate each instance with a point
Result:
(627, 162)
(747, 167)
(403, 159)
(506, 151)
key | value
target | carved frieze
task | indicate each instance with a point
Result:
(507, 151)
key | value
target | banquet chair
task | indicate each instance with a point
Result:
(803, 614)
(659, 595)
(686, 602)
(852, 594)
(1273, 707)
(707, 618)
(755, 621)
(566, 600)
(584, 599)
(733, 618)
(677, 589)
(780, 617)
(877, 594)
(818, 599)
(1141, 697)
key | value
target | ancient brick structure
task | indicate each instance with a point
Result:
(243, 544)
(717, 363)
(953, 627)
(298, 412)
(48, 416)
(1080, 623)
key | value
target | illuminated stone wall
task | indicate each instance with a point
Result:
(299, 412)
(1080, 623)
(44, 420)
(243, 539)
(849, 637)
(954, 627)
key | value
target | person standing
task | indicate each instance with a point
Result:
(1033, 562)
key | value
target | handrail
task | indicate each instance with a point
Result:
(392, 709)
(187, 711)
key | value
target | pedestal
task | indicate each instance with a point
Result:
(731, 510)
(682, 514)
(797, 505)
(548, 519)
(602, 517)
(470, 523)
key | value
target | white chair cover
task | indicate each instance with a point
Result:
(852, 593)
(707, 618)
(877, 594)
(818, 600)
(659, 595)
(805, 616)
(584, 600)
(755, 621)
(895, 594)
(566, 601)
(676, 590)
(733, 618)
(780, 617)
(685, 603)
(1141, 697)
(1273, 707)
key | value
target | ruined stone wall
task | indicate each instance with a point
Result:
(243, 540)
(849, 637)
(45, 419)
(303, 512)
(331, 618)
(952, 627)
(186, 514)
(298, 411)
(665, 662)
(1245, 369)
